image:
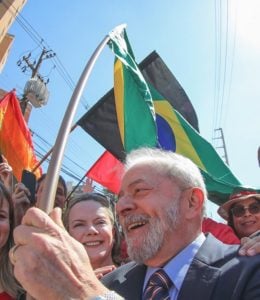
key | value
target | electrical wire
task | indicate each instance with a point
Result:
(41, 43)
(36, 37)
(222, 82)
(225, 65)
(218, 63)
(50, 146)
(64, 169)
(233, 51)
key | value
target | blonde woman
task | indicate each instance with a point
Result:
(89, 218)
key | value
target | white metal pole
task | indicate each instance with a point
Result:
(46, 202)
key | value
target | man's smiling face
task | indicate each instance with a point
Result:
(149, 212)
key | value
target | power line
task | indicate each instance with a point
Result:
(218, 61)
(222, 81)
(64, 169)
(232, 60)
(72, 161)
(225, 63)
(40, 42)
(36, 37)
(20, 20)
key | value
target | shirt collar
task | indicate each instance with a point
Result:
(178, 266)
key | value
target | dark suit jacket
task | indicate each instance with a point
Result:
(216, 273)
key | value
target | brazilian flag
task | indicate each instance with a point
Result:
(176, 134)
(134, 104)
(138, 115)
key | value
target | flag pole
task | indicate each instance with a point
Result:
(46, 201)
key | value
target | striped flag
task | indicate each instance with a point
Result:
(15, 137)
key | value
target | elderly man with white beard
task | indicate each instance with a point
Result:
(160, 207)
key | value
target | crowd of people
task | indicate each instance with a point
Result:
(173, 250)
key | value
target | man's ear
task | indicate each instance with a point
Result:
(195, 201)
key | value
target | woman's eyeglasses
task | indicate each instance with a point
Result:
(240, 210)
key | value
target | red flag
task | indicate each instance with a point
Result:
(15, 137)
(107, 170)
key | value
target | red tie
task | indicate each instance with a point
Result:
(158, 286)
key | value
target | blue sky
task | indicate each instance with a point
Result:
(212, 48)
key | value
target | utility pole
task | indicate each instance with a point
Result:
(223, 144)
(35, 91)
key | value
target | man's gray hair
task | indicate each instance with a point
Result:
(170, 164)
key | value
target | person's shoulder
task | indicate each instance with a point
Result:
(213, 242)
(224, 268)
(121, 272)
(214, 252)
(127, 280)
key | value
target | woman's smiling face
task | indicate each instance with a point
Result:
(90, 224)
(249, 222)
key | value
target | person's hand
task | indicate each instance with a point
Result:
(6, 173)
(250, 246)
(21, 202)
(100, 272)
(88, 186)
(21, 196)
(48, 262)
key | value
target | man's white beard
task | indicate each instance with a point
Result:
(147, 246)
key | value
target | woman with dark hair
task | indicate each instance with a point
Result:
(90, 219)
(242, 212)
(61, 192)
(9, 288)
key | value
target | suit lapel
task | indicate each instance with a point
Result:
(136, 281)
(202, 277)
(130, 284)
